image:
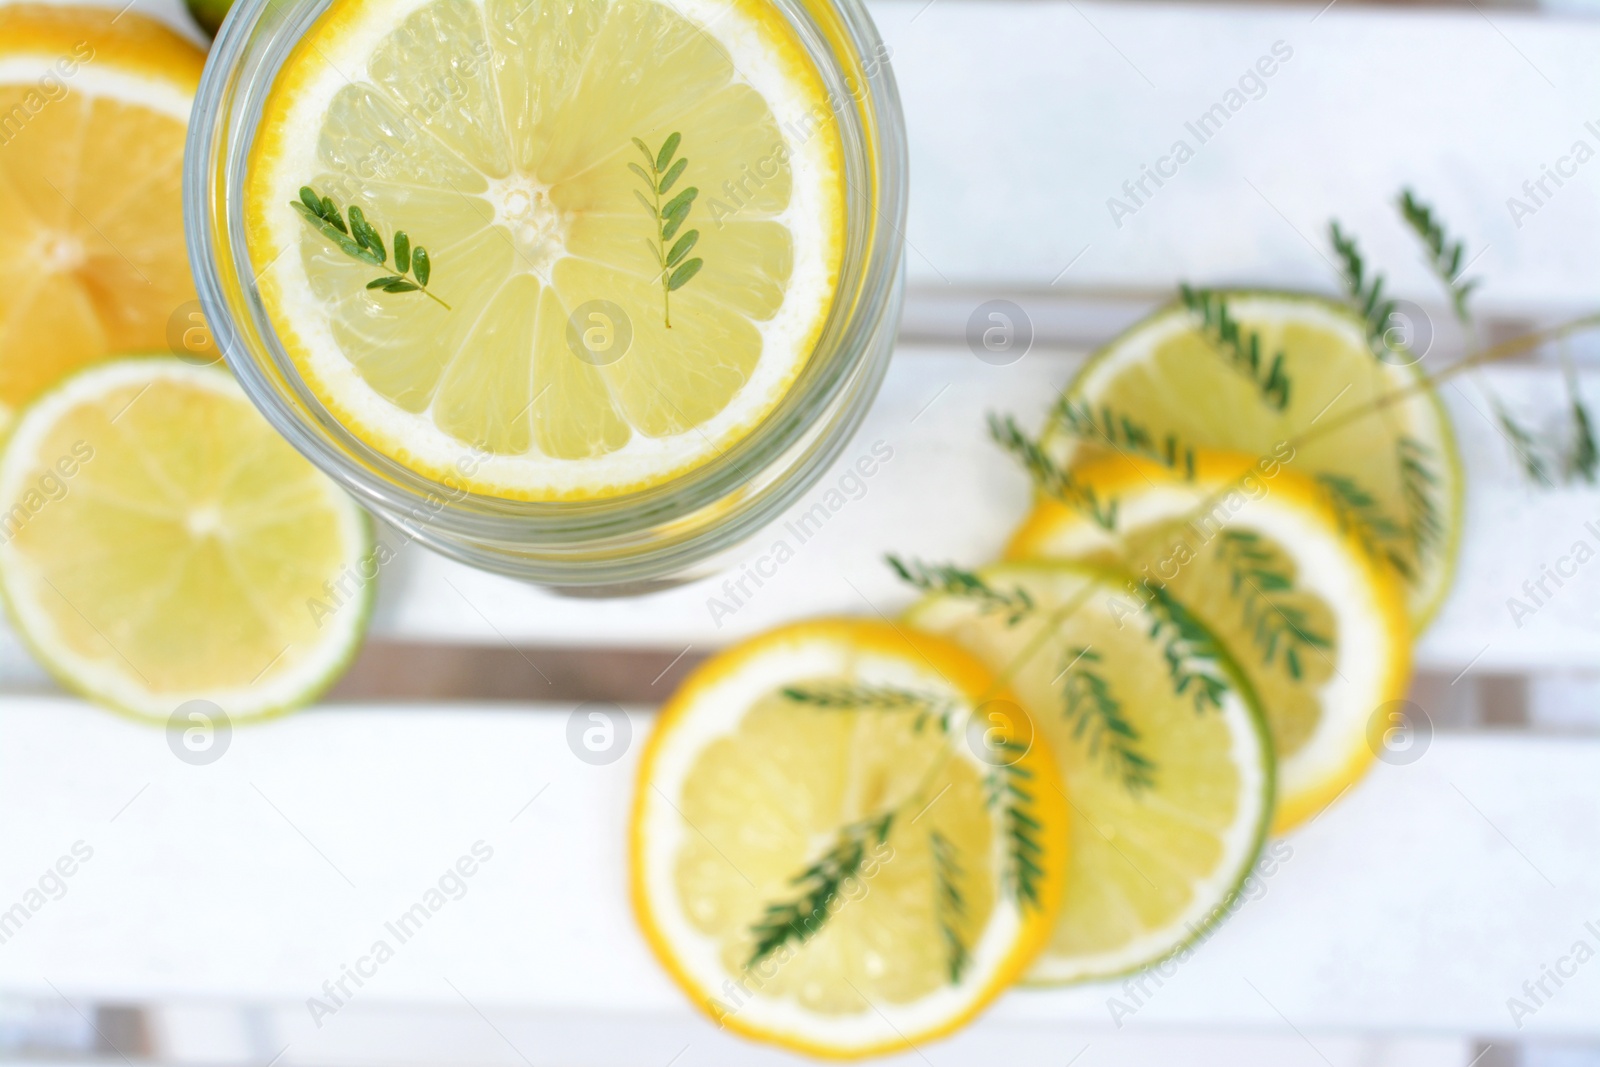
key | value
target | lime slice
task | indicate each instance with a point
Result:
(1394, 476)
(1167, 763)
(160, 543)
(1318, 628)
(542, 152)
(820, 856)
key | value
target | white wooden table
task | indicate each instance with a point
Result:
(219, 898)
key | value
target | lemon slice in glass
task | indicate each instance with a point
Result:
(1319, 629)
(846, 839)
(1393, 476)
(634, 218)
(1161, 745)
(160, 543)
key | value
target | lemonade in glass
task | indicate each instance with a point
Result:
(583, 291)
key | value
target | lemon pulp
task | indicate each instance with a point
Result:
(499, 134)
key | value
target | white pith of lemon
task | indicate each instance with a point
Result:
(1319, 709)
(520, 189)
(1152, 869)
(740, 789)
(160, 543)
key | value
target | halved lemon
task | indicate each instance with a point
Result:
(1161, 744)
(1319, 629)
(160, 543)
(846, 839)
(634, 213)
(94, 108)
(1393, 476)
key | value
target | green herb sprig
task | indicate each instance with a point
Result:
(800, 919)
(1194, 661)
(1122, 432)
(360, 240)
(863, 696)
(1088, 704)
(1243, 347)
(948, 903)
(1360, 515)
(672, 256)
(1444, 255)
(1011, 789)
(1051, 479)
(1262, 583)
(950, 580)
(1366, 295)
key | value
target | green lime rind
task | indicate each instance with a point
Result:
(951, 617)
(362, 603)
(1424, 599)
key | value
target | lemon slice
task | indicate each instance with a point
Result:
(1318, 628)
(1167, 764)
(159, 543)
(93, 112)
(534, 148)
(828, 833)
(1394, 476)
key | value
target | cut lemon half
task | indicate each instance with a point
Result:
(160, 543)
(1160, 742)
(94, 108)
(846, 839)
(1319, 629)
(1393, 476)
(634, 213)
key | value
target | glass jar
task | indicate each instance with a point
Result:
(628, 543)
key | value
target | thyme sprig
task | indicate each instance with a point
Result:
(948, 902)
(1361, 515)
(1241, 346)
(359, 239)
(1194, 660)
(1048, 475)
(1444, 255)
(798, 920)
(1122, 432)
(1259, 580)
(1011, 790)
(1420, 485)
(950, 580)
(1365, 294)
(865, 696)
(1088, 704)
(672, 256)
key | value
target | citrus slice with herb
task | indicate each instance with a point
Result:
(633, 212)
(1165, 757)
(1252, 548)
(846, 839)
(94, 108)
(1284, 375)
(160, 543)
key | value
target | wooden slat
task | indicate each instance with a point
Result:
(1418, 904)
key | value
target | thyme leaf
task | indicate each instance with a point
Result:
(360, 240)
(799, 919)
(1194, 660)
(1051, 479)
(1011, 790)
(1088, 704)
(951, 580)
(1366, 295)
(1264, 586)
(1123, 433)
(1361, 516)
(672, 257)
(1242, 347)
(1444, 255)
(948, 903)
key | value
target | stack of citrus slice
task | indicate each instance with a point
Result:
(1201, 638)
